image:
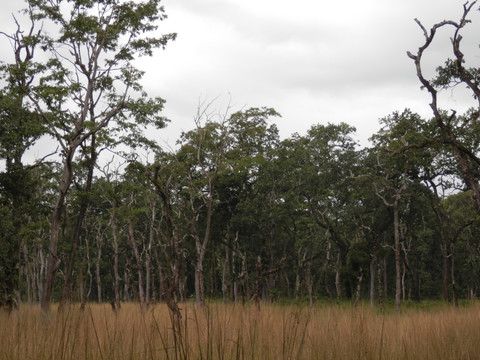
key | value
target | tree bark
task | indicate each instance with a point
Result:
(138, 260)
(98, 278)
(116, 274)
(148, 254)
(373, 264)
(52, 259)
(92, 160)
(396, 231)
(452, 268)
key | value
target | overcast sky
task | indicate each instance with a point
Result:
(314, 61)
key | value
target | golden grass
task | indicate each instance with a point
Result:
(227, 331)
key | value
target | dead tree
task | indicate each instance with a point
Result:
(452, 74)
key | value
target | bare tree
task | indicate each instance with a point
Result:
(454, 73)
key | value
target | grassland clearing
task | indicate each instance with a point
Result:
(229, 331)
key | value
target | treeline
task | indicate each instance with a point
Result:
(238, 214)
(234, 212)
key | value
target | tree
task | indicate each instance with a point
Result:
(202, 153)
(243, 196)
(458, 133)
(88, 82)
(20, 128)
(401, 160)
(328, 188)
(167, 176)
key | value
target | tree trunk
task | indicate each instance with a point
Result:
(97, 269)
(116, 274)
(270, 281)
(385, 278)
(325, 271)
(259, 285)
(415, 273)
(52, 259)
(199, 279)
(452, 268)
(309, 280)
(298, 275)
(126, 284)
(346, 281)
(338, 286)
(161, 280)
(396, 231)
(138, 260)
(28, 274)
(380, 289)
(92, 160)
(148, 256)
(405, 269)
(359, 287)
(201, 248)
(373, 263)
(228, 281)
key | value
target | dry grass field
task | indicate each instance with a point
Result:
(225, 331)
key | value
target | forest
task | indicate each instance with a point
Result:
(234, 212)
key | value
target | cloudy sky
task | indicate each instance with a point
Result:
(314, 61)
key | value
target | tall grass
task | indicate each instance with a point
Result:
(227, 331)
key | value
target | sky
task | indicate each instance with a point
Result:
(314, 61)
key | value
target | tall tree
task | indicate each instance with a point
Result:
(331, 168)
(203, 153)
(456, 131)
(400, 160)
(252, 142)
(88, 82)
(20, 128)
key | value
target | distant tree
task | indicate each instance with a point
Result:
(328, 189)
(397, 164)
(246, 189)
(203, 154)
